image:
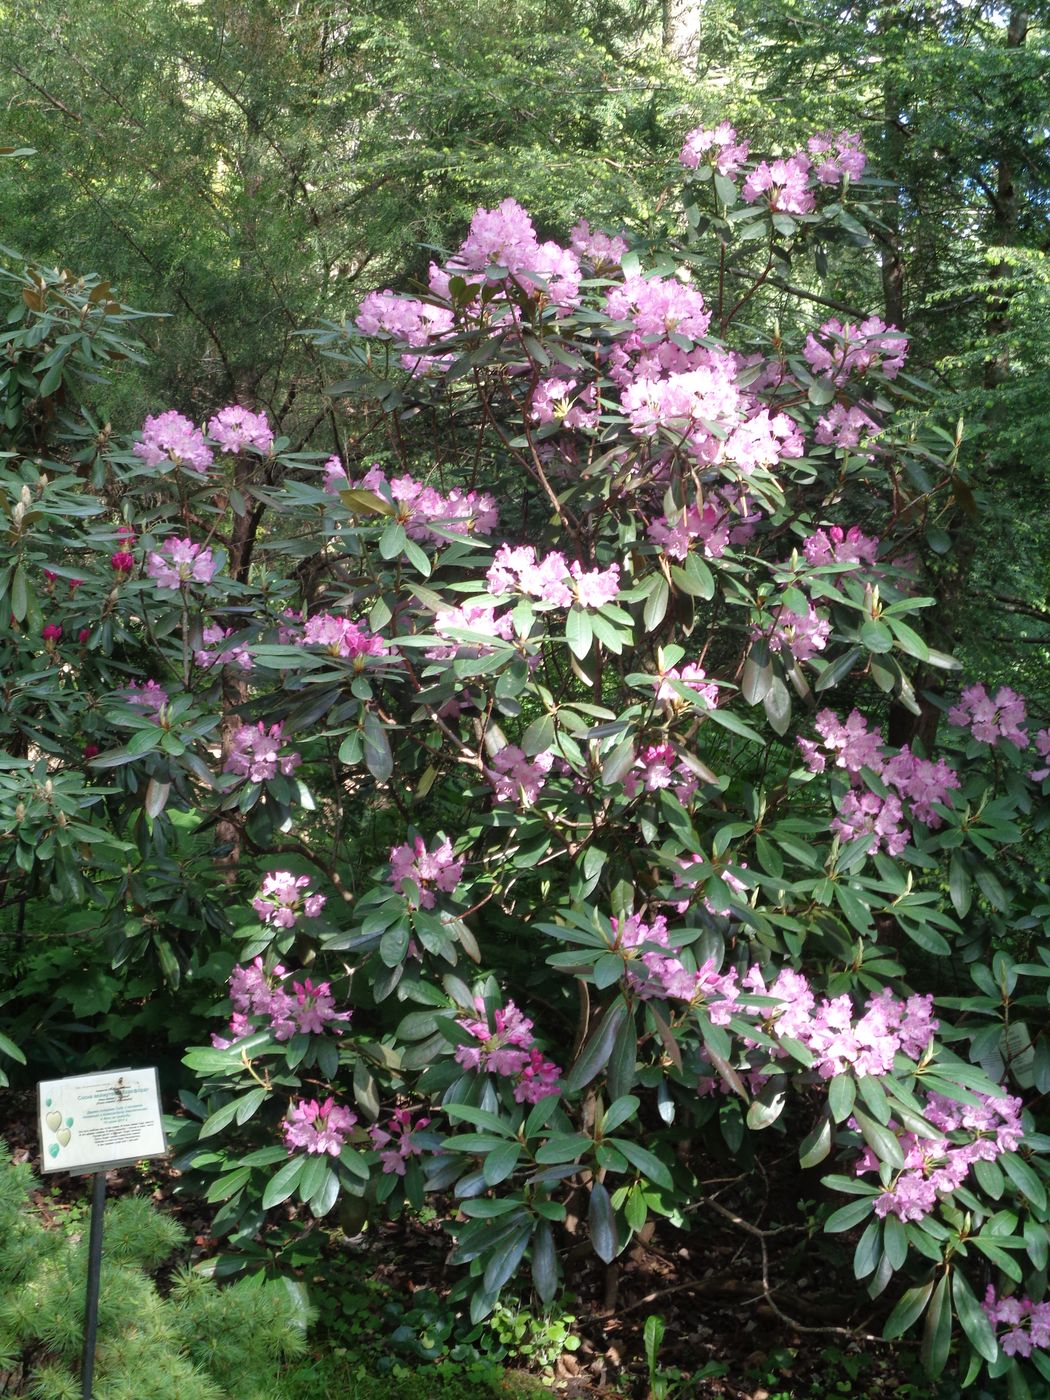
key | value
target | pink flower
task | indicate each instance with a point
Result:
(802, 635)
(868, 814)
(122, 562)
(180, 561)
(660, 306)
(284, 898)
(150, 697)
(1042, 744)
(414, 322)
(341, 637)
(728, 153)
(318, 1128)
(51, 633)
(843, 155)
(518, 779)
(849, 349)
(835, 545)
(229, 656)
(235, 428)
(844, 427)
(395, 1143)
(255, 753)
(602, 250)
(169, 437)
(693, 677)
(991, 718)
(430, 871)
(784, 183)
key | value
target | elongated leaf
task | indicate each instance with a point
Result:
(601, 1220)
(378, 758)
(937, 1335)
(645, 1161)
(599, 1047)
(283, 1183)
(544, 1263)
(908, 1309)
(882, 1141)
(973, 1317)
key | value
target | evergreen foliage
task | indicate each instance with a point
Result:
(195, 1341)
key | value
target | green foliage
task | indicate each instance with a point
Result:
(197, 1342)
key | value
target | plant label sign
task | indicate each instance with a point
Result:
(91, 1122)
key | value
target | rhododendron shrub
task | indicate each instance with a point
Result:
(591, 750)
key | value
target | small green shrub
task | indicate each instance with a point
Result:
(195, 1342)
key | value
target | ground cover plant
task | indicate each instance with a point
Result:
(562, 785)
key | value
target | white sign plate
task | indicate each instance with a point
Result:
(92, 1121)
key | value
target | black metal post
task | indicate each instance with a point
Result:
(98, 1207)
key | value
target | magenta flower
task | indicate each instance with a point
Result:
(151, 697)
(727, 154)
(318, 1128)
(169, 437)
(430, 871)
(991, 718)
(220, 656)
(255, 753)
(341, 637)
(122, 562)
(518, 779)
(180, 561)
(51, 633)
(235, 428)
(395, 1143)
(284, 898)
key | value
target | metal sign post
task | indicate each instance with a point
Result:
(94, 1275)
(90, 1123)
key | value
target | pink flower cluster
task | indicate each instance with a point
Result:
(1042, 745)
(838, 1039)
(725, 517)
(255, 753)
(414, 322)
(660, 306)
(920, 782)
(837, 546)
(939, 1165)
(656, 971)
(506, 1046)
(425, 512)
(396, 1142)
(843, 155)
(234, 428)
(849, 349)
(658, 766)
(221, 656)
(844, 427)
(179, 561)
(552, 580)
(318, 1127)
(602, 250)
(150, 697)
(727, 153)
(1013, 1313)
(516, 778)
(801, 634)
(471, 617)
(693, 677)
(284, 898)
(341, 637)
(430, 871)
(169, 437)
(561, 401)
(784, 183)
(261, 1002)
(991, 718)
